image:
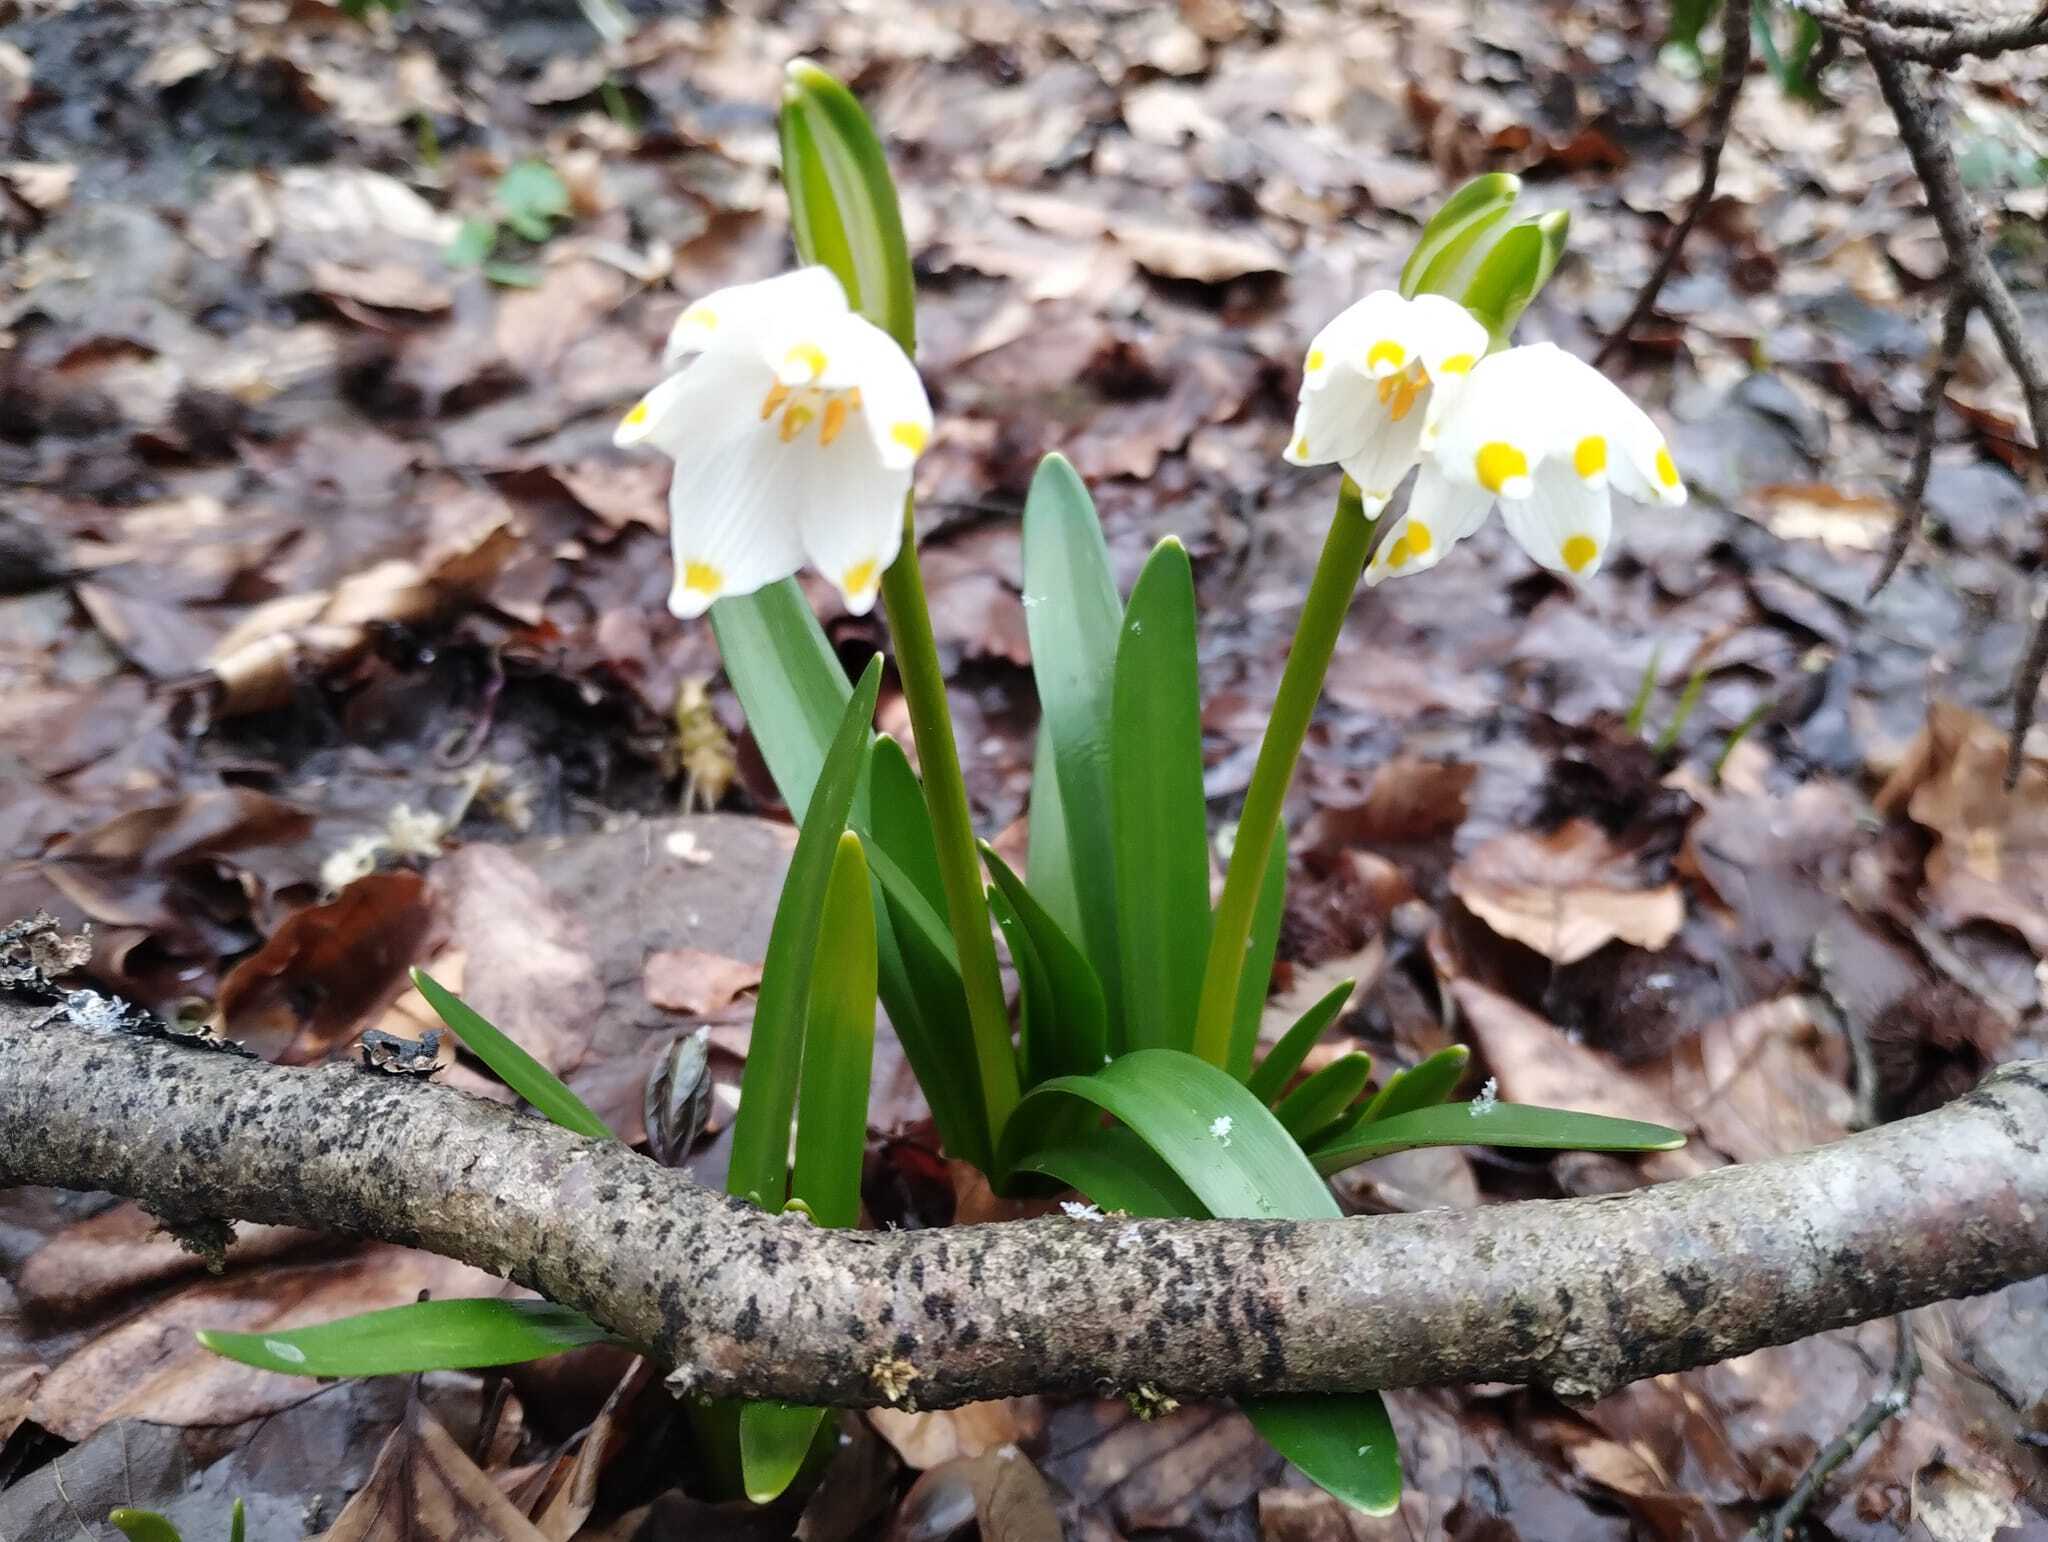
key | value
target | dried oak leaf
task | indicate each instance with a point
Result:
(928, 1438)
(1007, 1497)
(1567, 894)
(425, 1488)
(694, 981)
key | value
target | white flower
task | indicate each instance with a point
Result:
(794, 432)
(1546, 434)
(1370, 381)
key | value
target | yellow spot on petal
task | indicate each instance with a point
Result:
(637, 416)
(1398, 553)
(1579, 552)
(859, 578)
(795, 421)
(1385, 352)
(1301, 448)
(1590, 458)
(911, 436)
(702, 577)
(772, 402)
(1457, 364)
(1667, 468)
(1315, 360)
(701, 316)
(1387, 389)
(809, 355)
(1418, 537)
(1404, 397)
(835, 420)
(1498, 464)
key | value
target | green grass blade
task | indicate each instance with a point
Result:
(768, 1087)
(1076, 1032)
(1645, 689)
(511, 1064)
(1257, 979)
(424, 1336)
(1425, 1083)
(1285, 1058)
(775, 1440)
(1499, 1124)
(1036, 1025)
(238, 1523)
(1162, 830)
(1320, 1101)
(1072, 614)
(839, 1046)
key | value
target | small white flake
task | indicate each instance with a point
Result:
(1896, 1399)
(683, 844)
(1031, 601)
(291, 1354)
(1365, 1450)
(1488, 1099)
(1219, 1128)
(1077, 1211)
(1130, 1236)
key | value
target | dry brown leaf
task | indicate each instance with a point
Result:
(1959, 1506)
(567, 1493)
(126, 1248)
(18, 1385)
(1007, 1497)
(925, 1440)
(1567, 894)
(1842, 522)
(1537, 1063)
(42, 185)
(694, 981)
(425, 1488)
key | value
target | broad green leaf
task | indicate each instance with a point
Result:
(1345, 1443)
(1036, 1028)
(775, 1439)
(839, 1046)
(1320, 1101)
(1117, 1170)
(1076, 1033)
(1511, 275)
(1455, 239)
(1494, 1124)
(1072, 614)
(1422, 1085)
(789, 681)
(405, 1340)
(143, 1526)
(900, 823)
(1285, 1058)
(842, 201)
(768, 1086)
(511, 1064)
(1162, 828)
(1260, 947)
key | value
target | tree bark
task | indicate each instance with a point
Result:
(1580, 1295)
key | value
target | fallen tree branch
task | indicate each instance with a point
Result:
(1888, 1404)
(1955, 321)
(1580, 1295)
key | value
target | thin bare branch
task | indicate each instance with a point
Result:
(2027, 688)
(1936, 45)
(1887, 1405)
(1955, 323)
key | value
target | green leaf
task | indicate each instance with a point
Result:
(531, 193)
(839, 1046)
(143, 1526)
(238, 1523)
(1497, 1124)
(1346, 1444)
(405, 1340)
(1319, 1102)
(1687, 18)
(513, 275)
(1072, 616)
(472, 243)
(775, 1440)
(1517, 268)
(1162, 827)
(1117, 1170)
(1263, 943)
(1285, 1058)
(787, 678)
(511, 1064)
(1076, 1033)
(842, 201)
(1422, 1085)
(902, 825)
(768, 1086)
(1452, 242)
(1049, 857)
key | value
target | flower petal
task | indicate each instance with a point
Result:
(1496, 431)
(850, 515)
(1367, 337)
(664, 413)
(1338, 419)
(1394, 421)
(1447, 339)
(893, 407)
(740, 312)
(1563, 523)
(733, 506)
(1441, 513)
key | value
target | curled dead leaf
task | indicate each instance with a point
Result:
(1567, 894)
(694, 981)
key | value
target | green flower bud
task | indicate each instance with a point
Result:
(1454, 240)
(1512, 273)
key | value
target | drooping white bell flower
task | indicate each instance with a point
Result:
(794, 425)
(1548, 436)
(1370, 379)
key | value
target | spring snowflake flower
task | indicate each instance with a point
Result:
(1547, 435)
(1370, 381)
(794, 428)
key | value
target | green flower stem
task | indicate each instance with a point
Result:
(1301, 683)
(945, 797)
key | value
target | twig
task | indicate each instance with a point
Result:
(2027, 689)
(1887, 1405)
(1955, 323)
(1926, 44)
(1721, 114)
(1579, 1295)
(1827, 1005)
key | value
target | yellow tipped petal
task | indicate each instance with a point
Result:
(1384, 357)
(702, 577)
(1316, 360)
(1579, 552)
(1589, 459)
(1503, 469)
(1418, 537)
(806, 361)
(1667, 468)
(1457, 364)
(912, 436)
(859, 578)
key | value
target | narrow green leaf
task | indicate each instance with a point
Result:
(1346, 1444)
(1688, 700)
(789, 681)
(1260, 947)
(1515, 270)
(238, 1523)
(424, 1336)
(1162, 830)
(1320, 1101)
(901, 824)
(511, 1064)
(143, 1526)
(1645, 689)
(1036, 1026)
(775, 1439)
(1455, 229)
(1423, 1084)
(1077, 1027)
(839, 1046)
(1072, 614)
(768, 1087)
(1285, 1058)
(1048, 857)
(513, 275)
(1496, 1124)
